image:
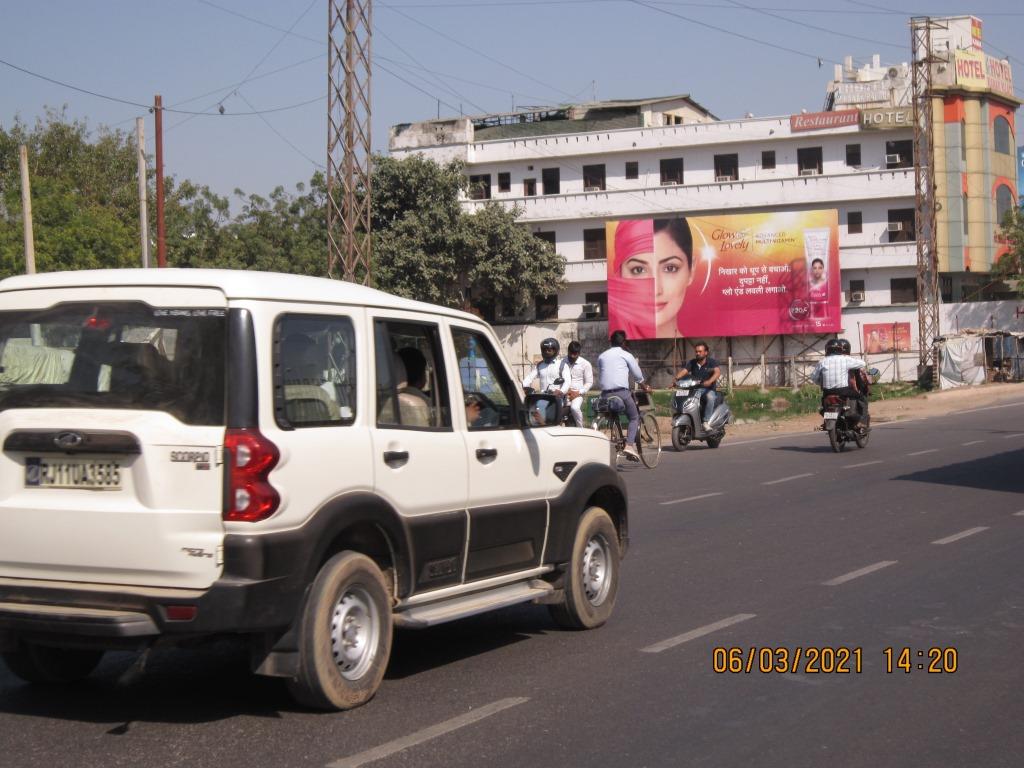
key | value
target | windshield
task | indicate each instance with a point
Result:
(115, 355)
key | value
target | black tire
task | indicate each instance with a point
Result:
(680, 438)
(648, 441)
(44, 664)
(348, 605)
(837, 441)
(861, 439)
(714, 442)
(592, 581)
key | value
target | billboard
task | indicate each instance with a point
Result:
(736, 275)
(976, 71)
(886, 337)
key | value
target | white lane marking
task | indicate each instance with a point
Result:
(961, 535)
(922, 453)
(1017, 434)
(897, 422)
(972, 442)
(989, 408)
(693, 634)
(692, 498)
(766, 439)
(863, 464)
(858, 573)
(1019, 514)
(787, 479)
(386, 750)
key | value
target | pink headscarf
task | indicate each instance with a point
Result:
(631, 301)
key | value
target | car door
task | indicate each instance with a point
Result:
(419, 458)
(508, 480)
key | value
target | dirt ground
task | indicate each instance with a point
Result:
(931, 404)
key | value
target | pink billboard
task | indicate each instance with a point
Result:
(736, 275)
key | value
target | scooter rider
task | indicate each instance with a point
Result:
(614, 367)
(707, 371)
(837, 374)
(547, 370)
(581, 379)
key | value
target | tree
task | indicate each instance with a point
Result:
(1011, 266)
(427, 247)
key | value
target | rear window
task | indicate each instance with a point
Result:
(115, 355)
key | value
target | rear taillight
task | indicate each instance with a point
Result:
(832, 400)
(250, 497)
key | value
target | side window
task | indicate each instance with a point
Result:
(314, 371)
(411, 385)
(487, 392)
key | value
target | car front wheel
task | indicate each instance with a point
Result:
(592, 581)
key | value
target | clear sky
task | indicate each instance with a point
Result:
(431, 56)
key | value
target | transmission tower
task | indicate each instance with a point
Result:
(924, 197)
(348, 139)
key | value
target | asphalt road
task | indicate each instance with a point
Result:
(913, 542)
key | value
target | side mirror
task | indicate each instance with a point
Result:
(873, 372)
(540, 410)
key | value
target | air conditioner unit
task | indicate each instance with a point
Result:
(725, 178)
(669, 183)
(808, 171)
(856, 295)
(895, 226)
(893, 158)
(592, 189)
(591, 310)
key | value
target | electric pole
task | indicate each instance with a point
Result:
(924, 198)
(140, 140)
(26, 212)
(348, 139)
(158, 122)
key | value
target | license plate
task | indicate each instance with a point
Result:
(91, 474)
(682, 393)
(831, 416)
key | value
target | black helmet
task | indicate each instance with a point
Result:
(834, 347)
(549, 348)
(845, 346)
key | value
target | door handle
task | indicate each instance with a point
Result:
(396, 458)
(486, 453)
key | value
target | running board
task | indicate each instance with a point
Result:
(422, 616)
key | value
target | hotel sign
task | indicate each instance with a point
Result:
(886, 119)
(818, 121)
(976, 71)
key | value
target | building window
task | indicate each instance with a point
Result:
(856, 290)
(480, 187)
(727, 167)
(551, 180)
(1004, 203)
(901, 225)
(547, 237)
(546, 307)
(903, 290)
(808, 161)
(594, 244)
(963, 140)
(1003, 136)
(853, 155)
(672, 171)
(600, 299)
(593, 178)
(504, 182)
(768, 160)
(854, 222)
(899, 154)
(632, 170)
(529, 187)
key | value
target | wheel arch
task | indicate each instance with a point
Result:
(590, 485)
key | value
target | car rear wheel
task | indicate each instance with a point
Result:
(592, 581)
(344, 635)
(45, 664)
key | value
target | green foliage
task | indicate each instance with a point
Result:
(1011, 266)
(426, 247)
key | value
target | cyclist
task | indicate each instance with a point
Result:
(614, 367)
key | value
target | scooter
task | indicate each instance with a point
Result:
(686, 416)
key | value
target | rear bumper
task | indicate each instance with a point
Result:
(252, 596)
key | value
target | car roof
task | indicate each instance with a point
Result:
(235, 284)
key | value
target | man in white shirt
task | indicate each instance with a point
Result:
(581, 379)
(546, 371)
(834, 374)
(614, 367)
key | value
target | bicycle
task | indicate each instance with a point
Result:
(607, 419)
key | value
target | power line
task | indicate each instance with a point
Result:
(805, 25)
(279, 134)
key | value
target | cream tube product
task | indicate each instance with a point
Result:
(816, 246)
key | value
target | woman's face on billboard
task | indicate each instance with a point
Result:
(670, 269)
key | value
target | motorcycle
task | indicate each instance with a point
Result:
(840, 418)
(686, 416)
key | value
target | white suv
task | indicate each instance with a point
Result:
(299, 461)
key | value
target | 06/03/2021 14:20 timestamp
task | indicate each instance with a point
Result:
(830, 659)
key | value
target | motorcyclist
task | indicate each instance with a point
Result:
(838, 374)
(614, 367)
(547, 370)
(707, 371)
